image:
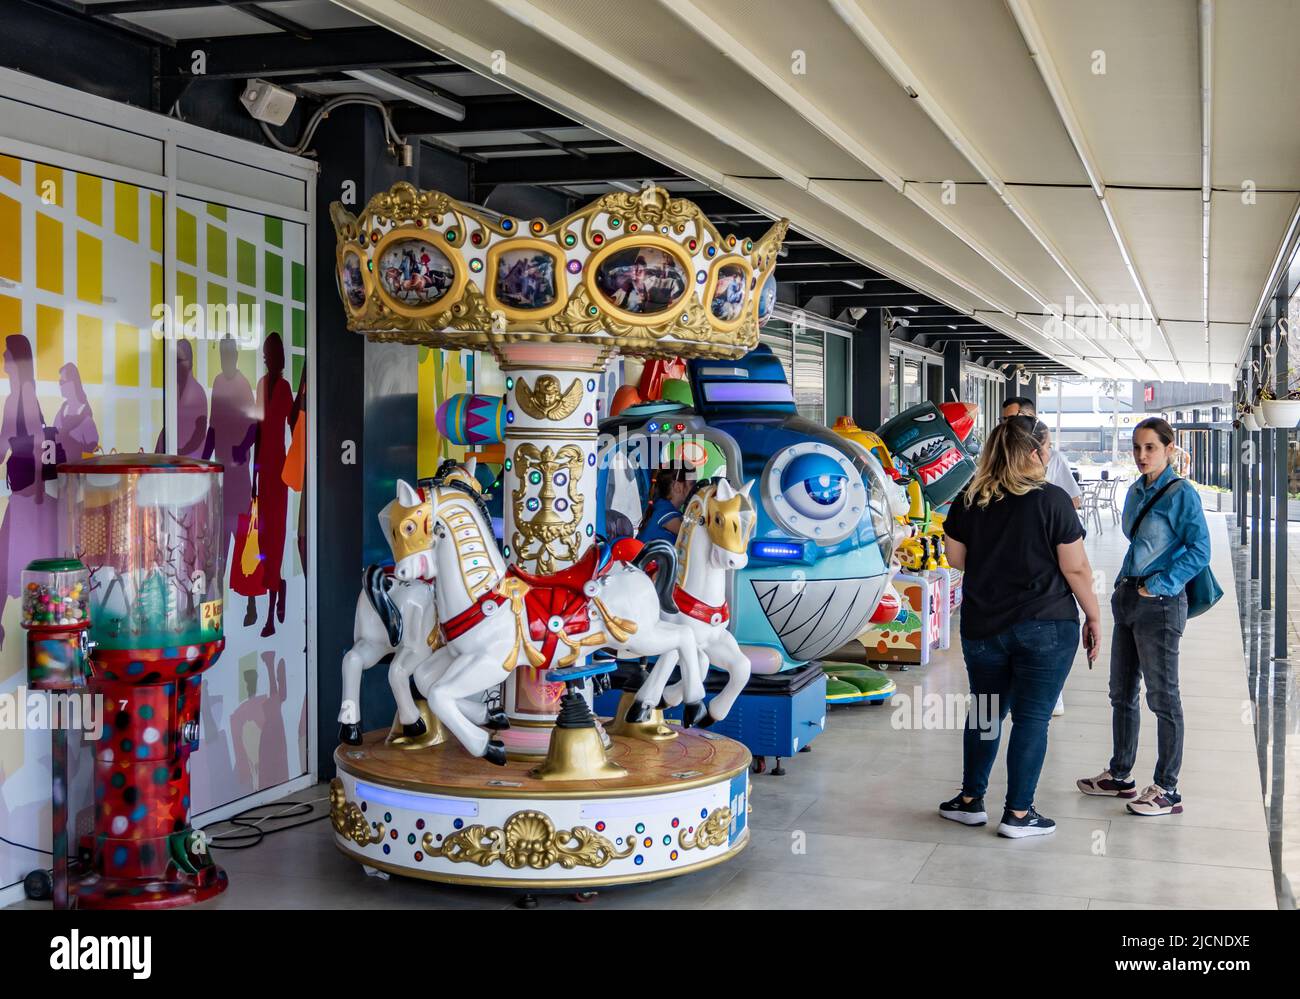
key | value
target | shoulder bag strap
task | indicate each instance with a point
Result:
(1152, 502)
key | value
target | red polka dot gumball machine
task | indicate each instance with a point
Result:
(147, 528)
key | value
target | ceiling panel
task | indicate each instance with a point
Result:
(532, 58)
(898, 220)
(463, 84)
(1072, 220)
(836, 74)
(1244, 241)
(978, 211)
(1189, 341)
(1256, 87)
(1132, 77)
(1163, 232)
(199, 22)
(687, 76)
(800, 108)
(317, 15)
(970, 58)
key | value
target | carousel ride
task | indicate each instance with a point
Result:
(495, 771)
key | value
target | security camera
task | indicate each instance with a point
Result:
(267, 102)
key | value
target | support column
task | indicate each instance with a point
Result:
(1281, 477)
(1028, 390)
(871, 386)
(1266, 521)
(1239, 467)
(952, 387)
(1254, 477)
(549, 495)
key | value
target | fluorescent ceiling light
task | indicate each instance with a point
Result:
(398, 87)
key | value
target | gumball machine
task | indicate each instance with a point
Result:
(147, 528)
(55, 616)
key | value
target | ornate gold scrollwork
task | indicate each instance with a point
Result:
(348, 819)
(713, 831)
(527, 839)
(545, 401)
(467, 236)
(547, 539)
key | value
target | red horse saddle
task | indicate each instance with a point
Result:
(553, 604)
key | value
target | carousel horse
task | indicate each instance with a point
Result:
(395, 615)
(495, 618)
(704, 557)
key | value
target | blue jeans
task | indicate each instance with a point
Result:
(1144, 647)
(1021, 671)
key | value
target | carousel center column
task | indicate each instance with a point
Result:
(549, 495)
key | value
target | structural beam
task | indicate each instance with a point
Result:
(335, 50)
(871, 385)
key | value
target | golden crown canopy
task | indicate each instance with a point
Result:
(644, 273)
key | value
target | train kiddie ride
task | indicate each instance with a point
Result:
(532, 792)
(819, 558)
(140, 588)
(923, 449)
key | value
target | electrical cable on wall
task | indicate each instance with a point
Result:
(299, 148)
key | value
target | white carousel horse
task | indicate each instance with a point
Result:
(494, 619)
(396, 614)
(704, 557)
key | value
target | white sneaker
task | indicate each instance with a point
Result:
(1060, 706)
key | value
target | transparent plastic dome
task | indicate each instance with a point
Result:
(147, 528)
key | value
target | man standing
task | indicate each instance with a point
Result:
(1057, 472)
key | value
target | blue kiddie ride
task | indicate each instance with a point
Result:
(819, 558)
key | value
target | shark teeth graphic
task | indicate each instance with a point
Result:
(942, 466)
(814, 617)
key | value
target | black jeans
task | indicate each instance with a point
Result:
(1144, 647)
(1020, 670)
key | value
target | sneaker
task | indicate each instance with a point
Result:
(968, 813)
(1060, 706)
(1104, 783)
(1155, 800)
(1032, 824)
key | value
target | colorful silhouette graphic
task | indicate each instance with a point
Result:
(274, 403)
(191, 409)
(74, 424)
(233, 430)
(30, 528)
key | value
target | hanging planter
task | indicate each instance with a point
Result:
(1249, 422)
(1282, 414)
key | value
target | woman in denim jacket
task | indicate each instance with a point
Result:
(1171, 546)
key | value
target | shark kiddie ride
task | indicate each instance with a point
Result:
(924, 449)
(536, 793)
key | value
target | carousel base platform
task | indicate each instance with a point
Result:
(443, 815)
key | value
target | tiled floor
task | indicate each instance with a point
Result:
(853, 823)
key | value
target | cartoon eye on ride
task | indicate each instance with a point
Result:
(814, 491)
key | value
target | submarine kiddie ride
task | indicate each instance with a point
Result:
(820, 555)
(495, 771)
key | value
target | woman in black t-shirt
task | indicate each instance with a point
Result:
(1020, 543)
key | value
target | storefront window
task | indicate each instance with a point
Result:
(912, 390)
(809, 387)
(776, 334)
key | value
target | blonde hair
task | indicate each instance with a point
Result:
(1007, 464)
